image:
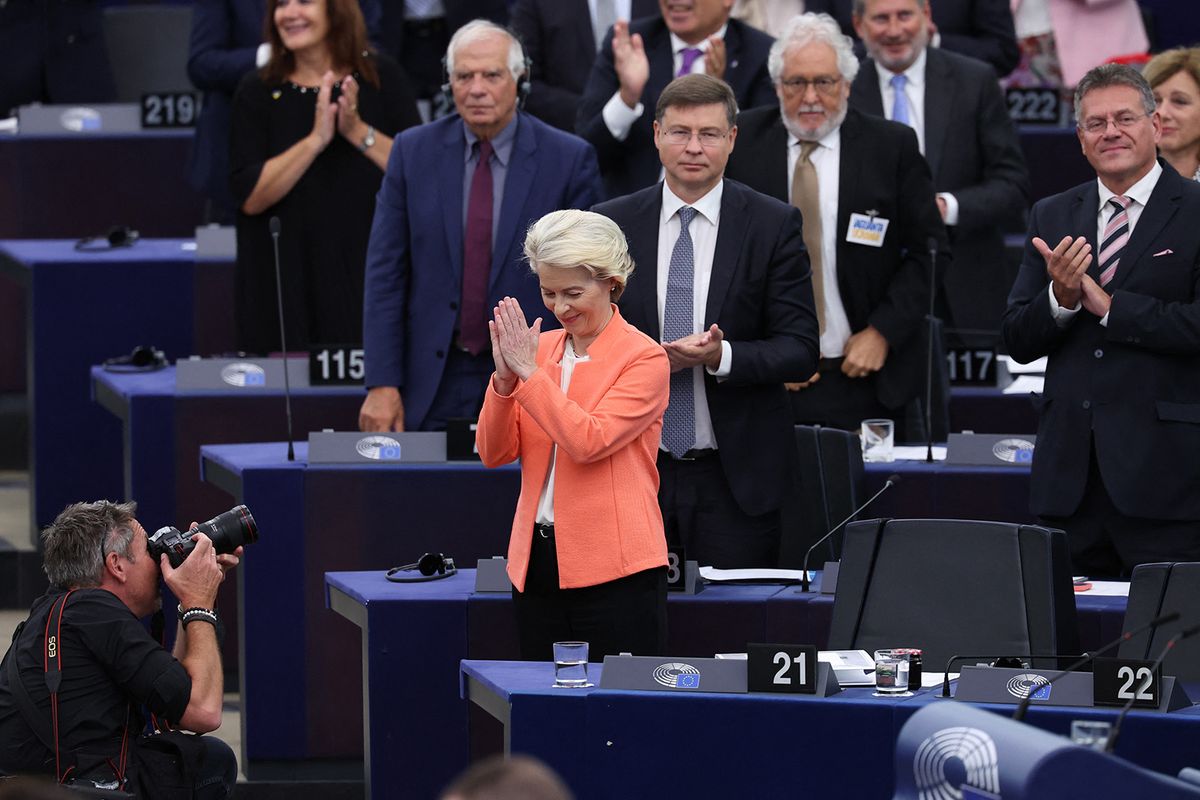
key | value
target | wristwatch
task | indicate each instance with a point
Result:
(369, 140)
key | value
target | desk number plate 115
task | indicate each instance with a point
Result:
(335, 365)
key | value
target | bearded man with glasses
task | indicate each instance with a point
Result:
(1108, 291)
(869, 213)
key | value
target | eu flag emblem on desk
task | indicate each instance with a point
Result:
(687, 681)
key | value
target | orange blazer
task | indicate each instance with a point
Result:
(607, 522)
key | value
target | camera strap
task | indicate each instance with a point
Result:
(52, 666)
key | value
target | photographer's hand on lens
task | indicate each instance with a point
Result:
(196, 580)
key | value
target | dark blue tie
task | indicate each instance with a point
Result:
(679, 420)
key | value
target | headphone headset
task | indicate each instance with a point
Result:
(431, 566)
(117, 236)
(523, 84)
(140, 359)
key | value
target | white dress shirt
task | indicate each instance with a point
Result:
(914, 91)
(545, 508)
(826, 159)
(703, 231)
(1140, 194)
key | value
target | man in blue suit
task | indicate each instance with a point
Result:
(1109, 291)
(446, 244)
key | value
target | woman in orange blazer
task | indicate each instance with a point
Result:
(582, 408)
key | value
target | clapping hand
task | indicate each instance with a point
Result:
(630, 63)
(325, 120)
(514, 344)
(349, 124)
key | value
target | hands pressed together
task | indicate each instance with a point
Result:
(341, 117)
(698, 349)
(1067, 266)
(514, 345)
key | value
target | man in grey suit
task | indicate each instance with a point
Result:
(954, 104)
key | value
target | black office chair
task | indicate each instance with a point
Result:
(827, 484)
(954, 587)
(1156, 589)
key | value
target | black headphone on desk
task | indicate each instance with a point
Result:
(117, 236)
(141, 359)
(523, 83)
(431, 566)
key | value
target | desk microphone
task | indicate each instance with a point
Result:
(287, 385)
(1162, 619)
(892, 480)
(1116, 728)
(932, 245)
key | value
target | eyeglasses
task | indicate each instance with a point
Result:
(708, 138)
(1095, 125)
(825, 84)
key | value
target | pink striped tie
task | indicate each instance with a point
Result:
(1116, 234)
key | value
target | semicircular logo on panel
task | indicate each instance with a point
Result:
(243, 373)
(378, 448)
(1021, 686)
(1013, 451)
(952, 758)
(80, 118)
(677, 675)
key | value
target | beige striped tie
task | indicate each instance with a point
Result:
(807, 198)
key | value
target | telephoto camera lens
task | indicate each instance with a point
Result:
(228, 532)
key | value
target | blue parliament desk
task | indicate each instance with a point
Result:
(413, 636)
(74, 185)
(82, 308)
(610, 743)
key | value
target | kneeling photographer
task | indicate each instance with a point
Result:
(82, 669)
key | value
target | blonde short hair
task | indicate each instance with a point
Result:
(572, 238)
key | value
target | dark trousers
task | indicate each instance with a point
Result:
(701, 514)
(218, 770)
(626, 615)
(1105, 543)
(460, 394)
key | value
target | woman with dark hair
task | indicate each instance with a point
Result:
(311, 135)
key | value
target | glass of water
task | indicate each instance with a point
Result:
(570, 665)
(1091, 733)
(891, 673)
(878, 440)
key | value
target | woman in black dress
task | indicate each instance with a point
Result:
(310, 140)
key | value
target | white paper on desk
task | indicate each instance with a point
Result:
(1108, 588)
(1037, 366)
(917, 452)
(852, 667)
(935, 678)
(753, 575)
(1024, 384)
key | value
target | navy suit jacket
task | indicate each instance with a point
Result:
(225, 38)
(974, 154)
(415, 257)
(1132, 387)
(880, 170)
(760, 294)
(633, 164)
(561, 47)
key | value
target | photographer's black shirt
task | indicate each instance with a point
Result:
(108, 660)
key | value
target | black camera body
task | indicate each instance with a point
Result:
(228, 532)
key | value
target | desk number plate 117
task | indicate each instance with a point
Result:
(974, 366)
